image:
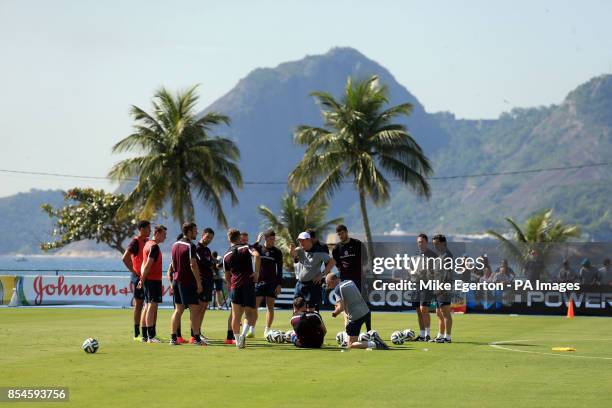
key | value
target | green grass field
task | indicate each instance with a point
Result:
(41, 347)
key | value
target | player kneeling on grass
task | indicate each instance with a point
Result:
(349, 300)
(151, 279)
(238, 266)
(308, 326)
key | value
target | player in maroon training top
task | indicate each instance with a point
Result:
(132, 259)
(270, 275)
(205, 265)
(238, 266)
(188, 282)
(151, 279)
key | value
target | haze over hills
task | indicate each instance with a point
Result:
(269, 103)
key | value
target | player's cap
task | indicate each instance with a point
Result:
(304, 235)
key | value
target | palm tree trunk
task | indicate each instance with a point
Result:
(366, 223)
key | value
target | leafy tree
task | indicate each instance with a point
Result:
(92, 216)
(179, 159)
(294, 218)
(540, 232)
(360, 143)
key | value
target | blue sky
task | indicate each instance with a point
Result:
(70, 70)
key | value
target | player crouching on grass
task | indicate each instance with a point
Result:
(151, 279)
(308, 326)
(238, 266)
(349, 300)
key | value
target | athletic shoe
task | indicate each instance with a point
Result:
(447, 340)
(137, 338)
(419, 338)
(380, 344)
(192, 340)
(427, 338)
(181, 340)
(229, 341)
(439, 340)
(251, 333)
(143, 339)
(154, 340)
(174, 343)
(200, 343)
(241, 342)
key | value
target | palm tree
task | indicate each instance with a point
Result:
(541, 231)
(360, 143)
(294, 218)
(179, 159)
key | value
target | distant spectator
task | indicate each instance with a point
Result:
(505, 269)
(567, 274)
(503, 274)
(605, 273)
(588, 273)
(533, 268)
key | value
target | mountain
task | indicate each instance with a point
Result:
(23, 224)
(575, 132)
(267, 105)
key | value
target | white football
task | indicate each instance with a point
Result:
(90, 345)
(342, 339)
(366, 336)
(408, 334)
(275, 336)
(397, 337)
(288, 336)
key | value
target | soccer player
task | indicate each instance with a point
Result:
(188, 283)
(152, 280)
(349, 300)
(244, 238)
(309, 328)
(238, 266)
(349, 254)
(443, 298)
(423, 297)
(308, 271)
(132, 259)
(218, 281)
(205, 265)
(270, 280)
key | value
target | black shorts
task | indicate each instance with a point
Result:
(207, 292)
(243, 295)
(443, 299)
(311, 292)
(423, 297)
(353, 327)
(266, 289)
(218, 285)
(153, 291)
(138, 292)
(186, 294)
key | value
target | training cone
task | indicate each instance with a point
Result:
(570, 309)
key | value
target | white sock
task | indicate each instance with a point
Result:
(439, 336)
(266, 330)
(426, 331)
(236, 337)
(251, 329)
(422, 333)
(447, 336)
(371, 344)
(245, 329)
